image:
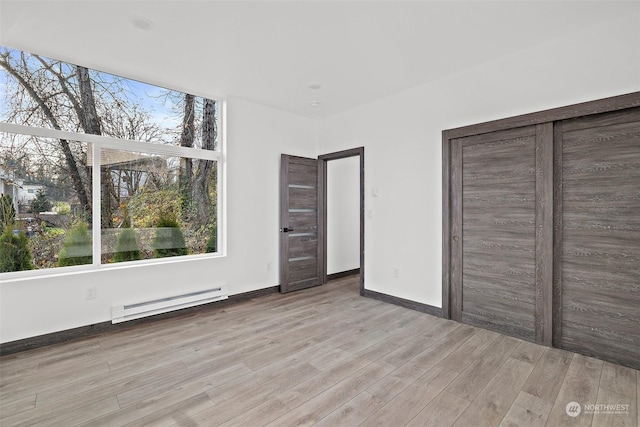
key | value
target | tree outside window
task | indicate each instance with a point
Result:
(155, 163)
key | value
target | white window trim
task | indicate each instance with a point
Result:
(101, 141)
(106, 142)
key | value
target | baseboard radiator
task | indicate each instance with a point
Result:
(122, 313)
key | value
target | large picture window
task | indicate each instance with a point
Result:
(97, 169)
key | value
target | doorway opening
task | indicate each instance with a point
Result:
(329, 260)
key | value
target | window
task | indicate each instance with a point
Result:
(116, 170)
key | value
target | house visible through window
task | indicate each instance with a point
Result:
(98, 169)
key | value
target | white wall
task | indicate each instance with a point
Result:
(401, 135)
(256, 136)
(402, 139)
(343, 215)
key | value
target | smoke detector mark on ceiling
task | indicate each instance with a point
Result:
(141, 23)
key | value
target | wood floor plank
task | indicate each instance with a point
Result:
(442, 411)
(547, 377)
(378, 349)
(175, 380)
(16, 369)
(150, 405)
(27, 386)
(418, 344)
(490, 407)
(254, 396)
(214, 412)
(331, 399)
(580, 385)
(259, 415)
(614, 409)
(408, 403)
(310, 388)
(440, 351)
(353, 412)
(329, 358)
(471, 349)
(68, 414)
(527, 410)
(528, 352)
(16, 406)
(108, 383)
(619, 379)
(181, 413)
(478, 374)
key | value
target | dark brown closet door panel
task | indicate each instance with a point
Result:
(497, 193)
(599, 283)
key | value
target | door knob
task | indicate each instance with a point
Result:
(456, 238)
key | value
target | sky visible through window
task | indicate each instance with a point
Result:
(158, 112)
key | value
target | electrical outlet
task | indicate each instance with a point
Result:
(90, 293)
(396, 272)
(268, 266)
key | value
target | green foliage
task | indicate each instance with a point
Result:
(53, 232)
(7, 211)
(148, 207)
(62, 208)
(212, 243)
(169, 240)
(76, 249)
(14, 252)
(41, 203)
(127, 247)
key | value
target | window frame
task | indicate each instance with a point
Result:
(99, 142)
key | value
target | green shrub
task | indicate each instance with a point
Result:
(212, 243)
(7, 212)
(126, 247)
(169, 240)
(76, 249)
(14, 252)
(62, 208)
(146, 208)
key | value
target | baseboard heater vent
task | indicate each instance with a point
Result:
(122, 313)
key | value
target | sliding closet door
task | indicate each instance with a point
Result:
(597, 236)
(501, 231)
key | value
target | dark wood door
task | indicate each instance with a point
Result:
(501, 225)
(300, 251)
(597, 236)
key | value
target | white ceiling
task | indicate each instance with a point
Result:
(271, 51)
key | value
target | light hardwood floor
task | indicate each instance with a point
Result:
(323, 356)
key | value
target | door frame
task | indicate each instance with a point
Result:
(322, 208)
(614, 103)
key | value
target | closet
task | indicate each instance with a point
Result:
(541, 227)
